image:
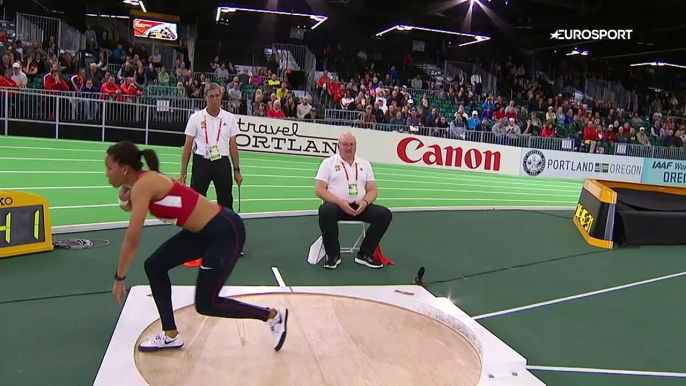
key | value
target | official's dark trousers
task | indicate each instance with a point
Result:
(379, 218)
(218, 172)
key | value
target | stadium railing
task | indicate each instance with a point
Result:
(61, 113)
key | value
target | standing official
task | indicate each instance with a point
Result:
(211, 138)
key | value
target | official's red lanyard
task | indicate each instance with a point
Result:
(347, 177)
(219, 130)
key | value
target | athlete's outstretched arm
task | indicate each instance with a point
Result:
(140, 199)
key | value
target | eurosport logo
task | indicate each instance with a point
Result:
(592, 34)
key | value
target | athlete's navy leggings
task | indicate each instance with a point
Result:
(219, 244)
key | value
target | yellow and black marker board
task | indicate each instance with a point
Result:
(24, 224)
(595, 214)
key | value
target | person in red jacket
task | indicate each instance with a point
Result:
(592, 135)
(109, 89)
(55, 82)
(128, 90)
(6, 80)
(548, 130)
(275, 111)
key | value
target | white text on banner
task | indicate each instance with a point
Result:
(268, 135)
(579, 166)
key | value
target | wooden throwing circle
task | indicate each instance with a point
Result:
(332, 340)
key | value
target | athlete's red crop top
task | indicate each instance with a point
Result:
(176, 206)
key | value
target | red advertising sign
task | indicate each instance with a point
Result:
(151, 29)
(412, 150)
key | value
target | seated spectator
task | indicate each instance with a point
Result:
(215, 64)
(6, 80)
(78, 80)
(150, 75)
(139, 78)
(163, 77)
(41, 66)
(642, 138)
(54, 81)
(68, 63)
(290, 109)
(89, 91)
(549, 130)
(257, 79)
(109, 89)
(244, 78)
(282, 91)
(273, 81)
(235, 96)
(220, 73)
(94, 74)
(119, 54)
(181, 91)
(156, 58)
(312, 116)
(102, 62)
(303, 108)
(30, 67)
(182, 71)
(18, 76)
(275, 111)
(128, 90)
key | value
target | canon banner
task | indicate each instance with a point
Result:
(303, 138)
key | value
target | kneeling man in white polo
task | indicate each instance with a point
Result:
(346, 184)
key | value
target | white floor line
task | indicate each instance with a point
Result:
(295, 160)
(606, 371)
(579, 296)
(380, 170)
(434, 199)
(279, 279)
(483, 193)
(496, 185)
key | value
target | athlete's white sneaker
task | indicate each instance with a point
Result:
(278, 326)
(161, 342)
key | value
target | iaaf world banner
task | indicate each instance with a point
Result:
(161, 30)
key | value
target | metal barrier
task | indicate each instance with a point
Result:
(451, 69)
(296, 57)
(608, 92)
(156, 115)
(33, 28)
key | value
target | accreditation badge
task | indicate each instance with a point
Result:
(214, 153)
(352, 189)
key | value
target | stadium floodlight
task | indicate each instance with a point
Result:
(318, 18)
(658, 64)
(578, 52)
(136, 3)
(404, 27)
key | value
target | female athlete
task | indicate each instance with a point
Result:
(211, 231)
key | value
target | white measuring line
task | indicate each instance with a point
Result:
(247, 156)
(309, 187)
(565, 204)
(464, 177)
(579, 296)
(278, 277)
(494, 185)
(587, 370)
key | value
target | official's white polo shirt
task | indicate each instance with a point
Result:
(196, 129)
(333, 171)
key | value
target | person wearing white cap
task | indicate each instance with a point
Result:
(18, 75)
